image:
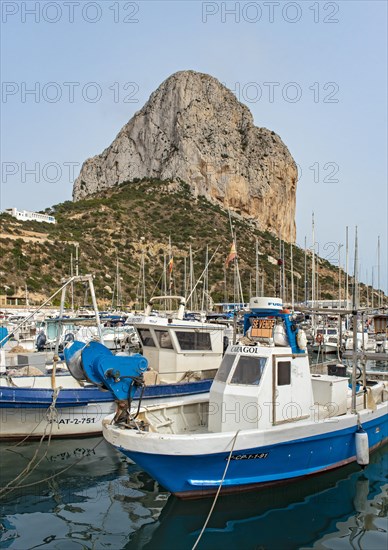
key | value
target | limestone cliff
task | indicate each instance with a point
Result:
(194, 129)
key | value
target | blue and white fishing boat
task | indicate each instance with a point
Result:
(267, 420)
(184, 355)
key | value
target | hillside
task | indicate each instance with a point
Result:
(137, 218)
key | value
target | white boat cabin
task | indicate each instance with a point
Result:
(268, 382)
(179, 349)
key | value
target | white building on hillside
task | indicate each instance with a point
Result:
(26, 215)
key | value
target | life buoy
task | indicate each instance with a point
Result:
(319, 338)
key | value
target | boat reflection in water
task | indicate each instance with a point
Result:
(344, 505)
(101, 500)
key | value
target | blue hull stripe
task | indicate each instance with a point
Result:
(37, 398)
(257, 465)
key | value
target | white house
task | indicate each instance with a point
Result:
(26, 215)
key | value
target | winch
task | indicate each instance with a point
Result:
(121, 375)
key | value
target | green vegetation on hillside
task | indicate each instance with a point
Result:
(138, 218)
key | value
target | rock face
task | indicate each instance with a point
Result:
(193, 128)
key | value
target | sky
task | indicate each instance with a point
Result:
(74, 72)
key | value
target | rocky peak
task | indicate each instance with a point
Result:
(194, 129)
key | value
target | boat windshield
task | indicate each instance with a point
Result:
(249, 370)
(225, 367)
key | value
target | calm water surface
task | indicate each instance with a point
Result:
(102, 501)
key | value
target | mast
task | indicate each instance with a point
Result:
(164, 282)
(191, 279)
(355, 319)
(313, 265)
(305, 270)
(367, 288)
(378, 273)
(170, 268)
(76, 259)
(185, 276)
(204, 304)
(292, 280)
(339, 275)
(257, 268)
(280, 268)
(347, 267)
(118, 297)
(72, 283)
(284, 297)
(355, 273)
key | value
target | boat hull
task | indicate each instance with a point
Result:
(79, 412)
(258, 459)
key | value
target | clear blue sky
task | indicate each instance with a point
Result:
(93, 64)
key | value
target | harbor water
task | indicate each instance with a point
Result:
(78, 494)
(83, 494)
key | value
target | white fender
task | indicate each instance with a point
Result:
(301, 339)
(362, 447)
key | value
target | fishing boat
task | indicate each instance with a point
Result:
(178, 348)
(184, 356)
(267, 419)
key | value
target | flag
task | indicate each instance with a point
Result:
(170, 265)
(232, 254)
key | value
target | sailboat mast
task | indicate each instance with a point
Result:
(257, 268)
(292, 279)
(191, 279)
(280, 269)
(143, 280)
(378, 272)
(117, 281)
(313, 264)
(283, 273)
(72, 283)
(347, 266)
(339, 275)
(355, 273)
(305, 270)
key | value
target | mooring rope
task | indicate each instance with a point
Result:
(218, 492)
(52, 415)
(48, 478)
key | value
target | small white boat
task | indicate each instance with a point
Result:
(326, 340)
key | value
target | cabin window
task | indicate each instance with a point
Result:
(146, 337)
(194, 341)
(164, 339)
(224, 368)
(284, 373)
(249, 370)
(332, 331)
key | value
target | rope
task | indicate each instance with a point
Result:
(218, 492)
(52, 415)
(54, 475)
